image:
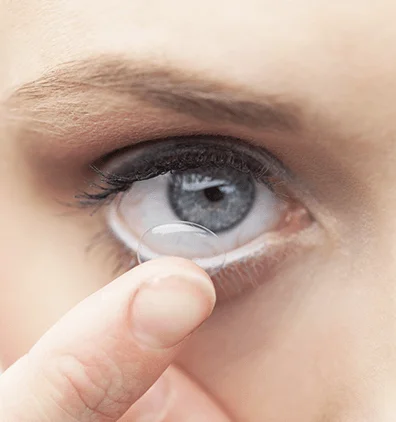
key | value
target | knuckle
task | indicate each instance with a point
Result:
(88, 389)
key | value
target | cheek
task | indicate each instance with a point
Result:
(44, 272)
(309, 343)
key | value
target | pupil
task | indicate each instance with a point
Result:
(214, 194)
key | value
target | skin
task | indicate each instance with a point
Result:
(316, 341)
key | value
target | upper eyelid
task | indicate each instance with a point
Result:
(218, 142)
(119, 176)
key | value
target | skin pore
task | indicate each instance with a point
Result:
(315, 342)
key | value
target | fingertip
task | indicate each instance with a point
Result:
(176, 262)
(173, 266)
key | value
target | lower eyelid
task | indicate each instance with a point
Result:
(272, 252)
(237, 277)
(243, 276)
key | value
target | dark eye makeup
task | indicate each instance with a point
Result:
(118, 170)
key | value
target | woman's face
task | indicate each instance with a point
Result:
(305, 327)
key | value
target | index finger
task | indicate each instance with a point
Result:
(106, 352)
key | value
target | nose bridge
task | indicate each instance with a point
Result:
(366, 392)
(369, 231)
(374, 394)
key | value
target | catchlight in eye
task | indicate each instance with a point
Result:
(183, 239)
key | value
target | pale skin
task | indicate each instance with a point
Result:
(316, 340)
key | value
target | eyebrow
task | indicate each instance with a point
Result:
(93, 86)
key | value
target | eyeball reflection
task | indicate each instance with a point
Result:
(183, 239)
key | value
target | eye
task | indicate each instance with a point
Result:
(226, 201)
(233, 189)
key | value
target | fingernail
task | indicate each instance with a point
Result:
(166, 310)
(154, 404)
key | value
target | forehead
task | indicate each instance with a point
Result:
(335, 56)
(266, 35)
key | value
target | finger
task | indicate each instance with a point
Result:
(105, 353)
(187, 402)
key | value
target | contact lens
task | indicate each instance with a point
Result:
(183, 239)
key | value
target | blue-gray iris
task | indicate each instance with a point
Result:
(216, 198)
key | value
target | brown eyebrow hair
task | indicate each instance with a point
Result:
(94, 85)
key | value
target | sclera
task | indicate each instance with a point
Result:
(183, 239)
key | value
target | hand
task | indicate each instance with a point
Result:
(98, 360)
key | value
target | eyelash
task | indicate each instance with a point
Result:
(186, 155)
